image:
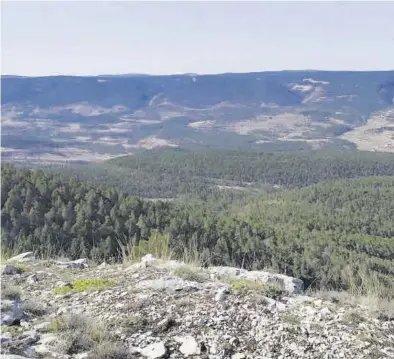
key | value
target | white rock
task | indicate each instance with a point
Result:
(78, 264)
(148, 260)
(189, 346)
(154, 351)
(168, 284)
(81, 356)
(23, 257)
(221, 294)
(238, 356)
(289, 284)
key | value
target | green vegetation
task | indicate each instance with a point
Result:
(188, 273)
(22, 267)
(245, 286)
(13, 330)
(85, 285)
(157, 244)
(334, 233)
(173, 173)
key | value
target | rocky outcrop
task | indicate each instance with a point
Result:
(23, 257)
(151, 310)
(289, 284)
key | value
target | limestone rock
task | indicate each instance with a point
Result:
(221, 294)
(154, 351)
(189, 346)
(23, 257)
(238, 356)
(77, 264)
(158, 315)
(148, 260)
(289, 284)
(171, 285)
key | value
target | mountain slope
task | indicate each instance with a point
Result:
(171, 173)
(63, 118)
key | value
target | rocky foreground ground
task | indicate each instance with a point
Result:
(156, 309)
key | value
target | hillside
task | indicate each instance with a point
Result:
(335, 235)
(268, 255)
(176, 173)
(62, 118)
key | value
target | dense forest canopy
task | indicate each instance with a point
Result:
(170, 173)
(337, 234)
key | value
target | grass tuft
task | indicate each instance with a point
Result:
(191, 274)
(11, 293)
(109, 350)
(135, 323)
(79, 334)
(157, 245)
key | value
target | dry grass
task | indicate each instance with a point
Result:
(9, 292)
(33, 309)
(157, 245)
(191, 274)
(134, 323)
(109, 350)
(79, 334)
(248, 286)
(353, 317)
(381, 308)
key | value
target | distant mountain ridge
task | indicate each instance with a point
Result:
(92, 118)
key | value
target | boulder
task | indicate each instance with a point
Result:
(23, 257)
(11, 270)
(12, 314)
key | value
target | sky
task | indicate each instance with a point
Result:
(107, 37)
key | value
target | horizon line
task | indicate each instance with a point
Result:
(189, 73)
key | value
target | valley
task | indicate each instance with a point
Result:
(60, 119)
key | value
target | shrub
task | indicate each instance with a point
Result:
(33, 309)
(135, 323)
(79, 333)
(188, 273)
(11, 293)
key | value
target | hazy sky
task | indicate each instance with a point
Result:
(77, 37)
